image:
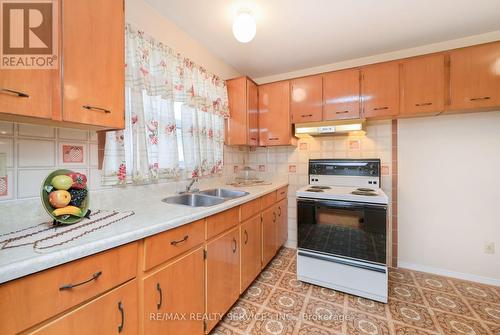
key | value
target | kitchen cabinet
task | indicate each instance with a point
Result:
(220, 222)
(423, 85)
(242, 127)
(251, 242)
(223, 274)
(274, 114)
(177, 289)
(380, 90)
(475, 77)
(341, 98)
(307, 99)
(113, 313)
(269, 231)
(282, 226)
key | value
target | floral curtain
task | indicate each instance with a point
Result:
(147, 149)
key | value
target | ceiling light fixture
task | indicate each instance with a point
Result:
(244, 27)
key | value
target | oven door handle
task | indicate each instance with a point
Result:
(348, 205)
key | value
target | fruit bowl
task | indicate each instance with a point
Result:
(48, 188)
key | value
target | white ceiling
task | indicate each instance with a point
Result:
(297, 34)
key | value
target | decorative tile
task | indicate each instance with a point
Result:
(354, 144)
(292, 168)
(280, 263)
(72, 153)
(289, 282)
(402, 329)
(486, 311)
(367, 306)
(327, 294)
(7, 186)
(401, 276)
(287, 252)
(324, 314)
(454, 324)
(405, 293)
(446, 302)
(286, 302)
(364, 324)
(384, 170)
(494, 329)
(475, 291)
(273, 324)
(303, 146)
(433, 282)
(222, 329)
(270, 276)
(262, 168)
(309, 329)
(241, 315)
(413, 315)
(292, 267)
(235, 169)
(4, 186)
(257, 292)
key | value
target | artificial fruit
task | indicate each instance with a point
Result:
(79, 180)
(68, 210)
(62, 182)
(59, 198)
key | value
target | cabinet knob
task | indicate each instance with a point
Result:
(12, 92)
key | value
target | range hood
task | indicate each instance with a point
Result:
(328, 128)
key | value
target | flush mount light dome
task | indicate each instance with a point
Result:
(244, 27)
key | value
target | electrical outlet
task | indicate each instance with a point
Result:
(489, 248)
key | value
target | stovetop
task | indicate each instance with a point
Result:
(344, 193)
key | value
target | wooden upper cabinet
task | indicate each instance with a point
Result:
(93, 67)
(475, 77)
(178, 288)
(380, 90)
(423, 85)
(341, 95)
(242, 127)
(307, 99)
(274, 114)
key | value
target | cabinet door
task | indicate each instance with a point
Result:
(307, 99)
(380, 90)
(223, 274)
(93, 52)
(282, 229)
(341, 95)
(29, 92)
(423, 85)
(251, 258)
(274, 114)
(236, 125)
(113, 313)
(176, 290)
(253, 113)
(475, 77)
(269, 231)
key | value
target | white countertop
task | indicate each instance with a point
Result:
(152, 216)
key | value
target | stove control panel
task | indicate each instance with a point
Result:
(345, 167)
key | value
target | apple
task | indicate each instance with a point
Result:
(59, 199)
(62, 182)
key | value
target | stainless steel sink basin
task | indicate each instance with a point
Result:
(194, 200)
(224, 193)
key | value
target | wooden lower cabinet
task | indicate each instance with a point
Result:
(222, 275)
(174, 299)
(282, 226)
(251, 260)
(113, 313)
(269, 221)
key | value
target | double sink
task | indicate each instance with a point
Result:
(205, 198)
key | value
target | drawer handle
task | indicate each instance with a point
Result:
(107, 111)
(480, 98)
(424, 104)
(274, 216)
(279, 211)
(273, 138)
(341, 112)
(12, 92)
(234, 245)
(158, 288)
(122, 314)
(246, 236)
(70, 286)
(380, 108)
(253, 138)
(180, 241)
(306, 115)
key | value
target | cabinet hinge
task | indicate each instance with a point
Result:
(205, 253)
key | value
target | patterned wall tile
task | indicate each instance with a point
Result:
(72, 153)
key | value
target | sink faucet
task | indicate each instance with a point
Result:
(188, 187)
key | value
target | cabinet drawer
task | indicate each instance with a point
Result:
(164, 246)
(113, 313)
(282, 193)
(249, 209)
(268, 200)
(218, 223)
(35, 298)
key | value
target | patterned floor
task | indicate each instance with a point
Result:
(419, 303)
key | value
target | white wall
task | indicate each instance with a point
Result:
(449, 194)
(144, 17)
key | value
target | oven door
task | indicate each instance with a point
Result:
(341, 228)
